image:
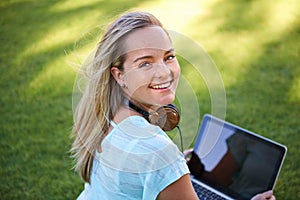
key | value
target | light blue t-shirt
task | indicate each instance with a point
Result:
(138, 160)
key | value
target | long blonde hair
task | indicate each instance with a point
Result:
(103, 96)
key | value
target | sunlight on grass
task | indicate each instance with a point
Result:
(253, 43)
(239, 46)
(84, 41)
(248, 43)
(294, 93)
(282, 14)
(58, 74)
(175, 15)
(80, 29)
(63, 6)
(54, 80)
(74, 38)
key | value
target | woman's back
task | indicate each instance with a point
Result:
(137, 161)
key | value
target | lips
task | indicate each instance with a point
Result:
(161, 86)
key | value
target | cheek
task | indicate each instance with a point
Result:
(176, 70)
(137, 81)
(176, 75)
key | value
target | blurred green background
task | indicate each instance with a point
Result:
(255, 45)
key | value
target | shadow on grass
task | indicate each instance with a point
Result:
(261, 98)
(262, 101)
(35, 129)
(25, 23)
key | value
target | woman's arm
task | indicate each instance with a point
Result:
(180, 189)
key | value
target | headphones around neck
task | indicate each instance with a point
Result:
(166, 117)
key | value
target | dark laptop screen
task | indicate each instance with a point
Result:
(236, 161)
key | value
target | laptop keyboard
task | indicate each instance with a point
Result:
(205, 194)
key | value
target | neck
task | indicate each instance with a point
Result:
(138, 109)
(123, 113)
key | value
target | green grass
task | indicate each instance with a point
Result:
(255, 45)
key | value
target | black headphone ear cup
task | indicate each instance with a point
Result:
(166, 117)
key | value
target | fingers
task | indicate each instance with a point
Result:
(268, 195)
(187, 153)
(264, 196)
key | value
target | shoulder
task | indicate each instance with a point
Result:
(137, 130)
(137, 126)
(134, 145)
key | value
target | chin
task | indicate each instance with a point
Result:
(167, 100)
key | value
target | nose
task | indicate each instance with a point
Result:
(162, 70)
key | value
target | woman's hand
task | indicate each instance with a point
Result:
(193, 162)
(264, 196)
(187, 154)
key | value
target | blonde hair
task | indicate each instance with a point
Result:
(103, 96)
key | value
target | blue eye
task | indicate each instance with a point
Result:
(145, 64)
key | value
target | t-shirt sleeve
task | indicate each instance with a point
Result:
(160, 179)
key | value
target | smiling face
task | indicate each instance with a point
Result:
(150, 71)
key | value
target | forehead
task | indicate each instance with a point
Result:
(153, 37)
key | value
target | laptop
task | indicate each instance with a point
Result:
(232, 162)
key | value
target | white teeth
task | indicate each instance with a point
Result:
(161, 86)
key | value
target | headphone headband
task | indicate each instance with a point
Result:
(138, 109)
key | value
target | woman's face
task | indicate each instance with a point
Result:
(151, 70)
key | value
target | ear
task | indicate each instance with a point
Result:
(117, 74)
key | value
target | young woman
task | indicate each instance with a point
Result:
(118, 153)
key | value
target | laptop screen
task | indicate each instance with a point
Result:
(236, 161)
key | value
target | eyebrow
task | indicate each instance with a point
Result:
(148, 56)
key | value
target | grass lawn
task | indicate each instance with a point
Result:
(254, 44)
